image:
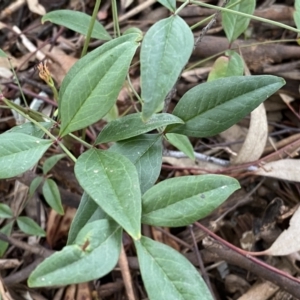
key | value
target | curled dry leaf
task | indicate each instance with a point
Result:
(35, 7)
(258, 131)
(289, 240)
(286, 169)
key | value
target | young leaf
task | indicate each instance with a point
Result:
(6, 230)
(112, 181)
(76, 21)
(51, 162)
(52, 195)
(161, 63)
(5, 211)
(87, 212)
(169, 4)
(91, 87)
(288, 241)
(34, 185)
(30, 129)
(235, 25)
(182, 143)
(20, 152)
(225, 66)
(145, 152)
(133, 125)
(167, 274)
(183, 200)
(28, 226)
(94, 254)
(212, 107)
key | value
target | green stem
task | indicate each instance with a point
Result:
(18, 82)
(91, 26)
(48, 133)
(177, 11)
(115, 18)
(84, 143)
(236, 48)
(133, 90)
(210, 17)
(245, 15)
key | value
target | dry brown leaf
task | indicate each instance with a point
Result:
(289, 240)
(35, 7)
(233, 134)
(61, 63)
(256, 138)
(286, 169)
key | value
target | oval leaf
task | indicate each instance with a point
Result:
(20, 152)
(87, 212)
(213, 107)
(167, 274)
(225, 66)
(169, 4)
(31, 129)
(51, 162)
(182, 143)
(161, 63)
(183, 200)
(133, 125)
(234, 25)
(112, 181)
(77, 21)
(91, 87)
(52, 195)
(145, 152)
(5, 211)
(28, 226)
(6, 230)
(95, 253)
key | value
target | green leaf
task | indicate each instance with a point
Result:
(52, 195)
(213, 107)
(87, 212)
(165, 51)
(112, 181)
(51, 162)
(169, 4)
(76, 21)
(225, 66)
(34, 185)
(133, 125)
(167, 274)
(28, 226)
(95, 254)
(234, 25)
(181, 201)
(91, 87)
(2, 53)
(145, 152)
(6, 230)
(297, 13)
(182, 143)
(5, 211)
(112, 115)
(30, 129)
(20, 152)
